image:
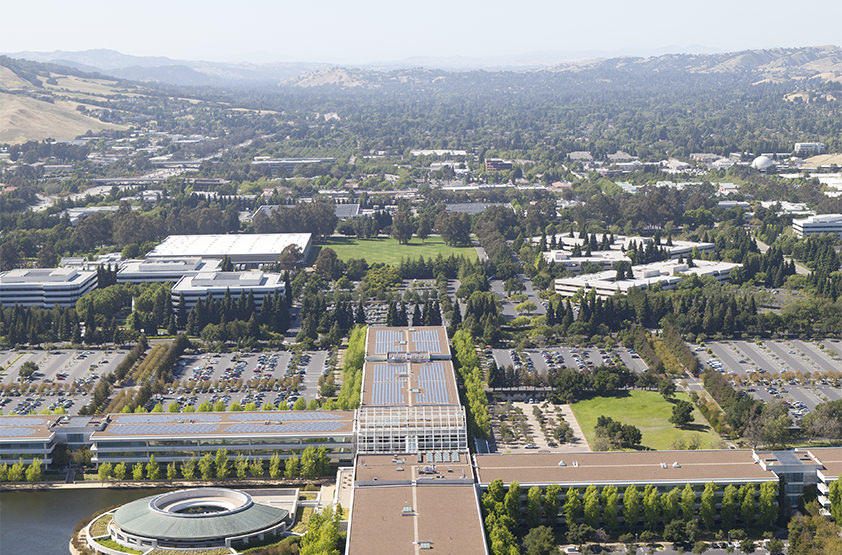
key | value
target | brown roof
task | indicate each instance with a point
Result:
(404, 383)
(622, 466)
(372, 469)
(19, 429)
(239, 424)
(446, 516)
(831, 459)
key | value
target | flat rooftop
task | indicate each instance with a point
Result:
(428, 341)
(227, 424)
(646, 275)
(45, 276)
(620, 467)
(396, 520)
(240, 246)
(220, 281)
(373, 469)
(830, 458)
(153, 266)
(26, 428)
(405, 383)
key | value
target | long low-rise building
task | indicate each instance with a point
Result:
(171, 437)
(403, 503)
(218, 284)
(155, 270)
(27, 438)
(409, 401)
(814, 225)
(45, 287)
(249, 249)
(666, 274)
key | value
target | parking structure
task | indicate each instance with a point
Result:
(575, 357)
(64, 378)
(800, 373)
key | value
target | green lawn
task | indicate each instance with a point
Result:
(387, 250)
(648, 411)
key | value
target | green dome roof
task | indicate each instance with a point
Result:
(167, 517)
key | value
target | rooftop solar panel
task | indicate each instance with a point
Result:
(164, 418)
(426, 340)
(385, 341)
(433, 383)
(162, 429)
(23, 421)
(294, 427)
(15, 432)
(284, 416)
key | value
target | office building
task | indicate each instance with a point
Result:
(177, 437)
(27, 438)
(219, 284)
(666, 274)
(165, 269)
(45, 287)
(823, 223)
(497, 165)
(409, 401)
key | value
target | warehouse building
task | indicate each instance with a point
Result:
(250, 250)
(218, 284)
(45, 287)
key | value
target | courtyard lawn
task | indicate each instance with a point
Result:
(650, 413)
(388, 251)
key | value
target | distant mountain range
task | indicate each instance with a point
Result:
(824, 62)
(173, 72)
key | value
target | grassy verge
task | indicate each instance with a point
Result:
(302, 518)
(389, 251)
(116, 546)
(650, 412)
(100, 526)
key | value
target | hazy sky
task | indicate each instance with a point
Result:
(362, 31)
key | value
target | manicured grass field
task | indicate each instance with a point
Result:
(388, 251)
(648, 411)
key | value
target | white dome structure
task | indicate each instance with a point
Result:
(763, 163)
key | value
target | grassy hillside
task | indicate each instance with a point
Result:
(26, 119)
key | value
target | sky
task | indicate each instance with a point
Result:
(379, 31)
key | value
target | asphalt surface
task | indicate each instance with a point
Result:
(761, 366)
(571, 357)
(64, 377)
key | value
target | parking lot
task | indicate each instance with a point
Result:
(273, 377)
(802, 374)
(63, 378)
(542, 360)
(775, 356)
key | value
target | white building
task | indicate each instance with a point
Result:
(607, 259)
(783, 207)
(667, 273)
(252, 249)
(217, 284)
(809, 148)
(45, 287)
(165, 269)
(823, 223)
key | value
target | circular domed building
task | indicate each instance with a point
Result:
(763, 163)
(190, 518)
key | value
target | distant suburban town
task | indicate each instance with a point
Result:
(579, 309)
